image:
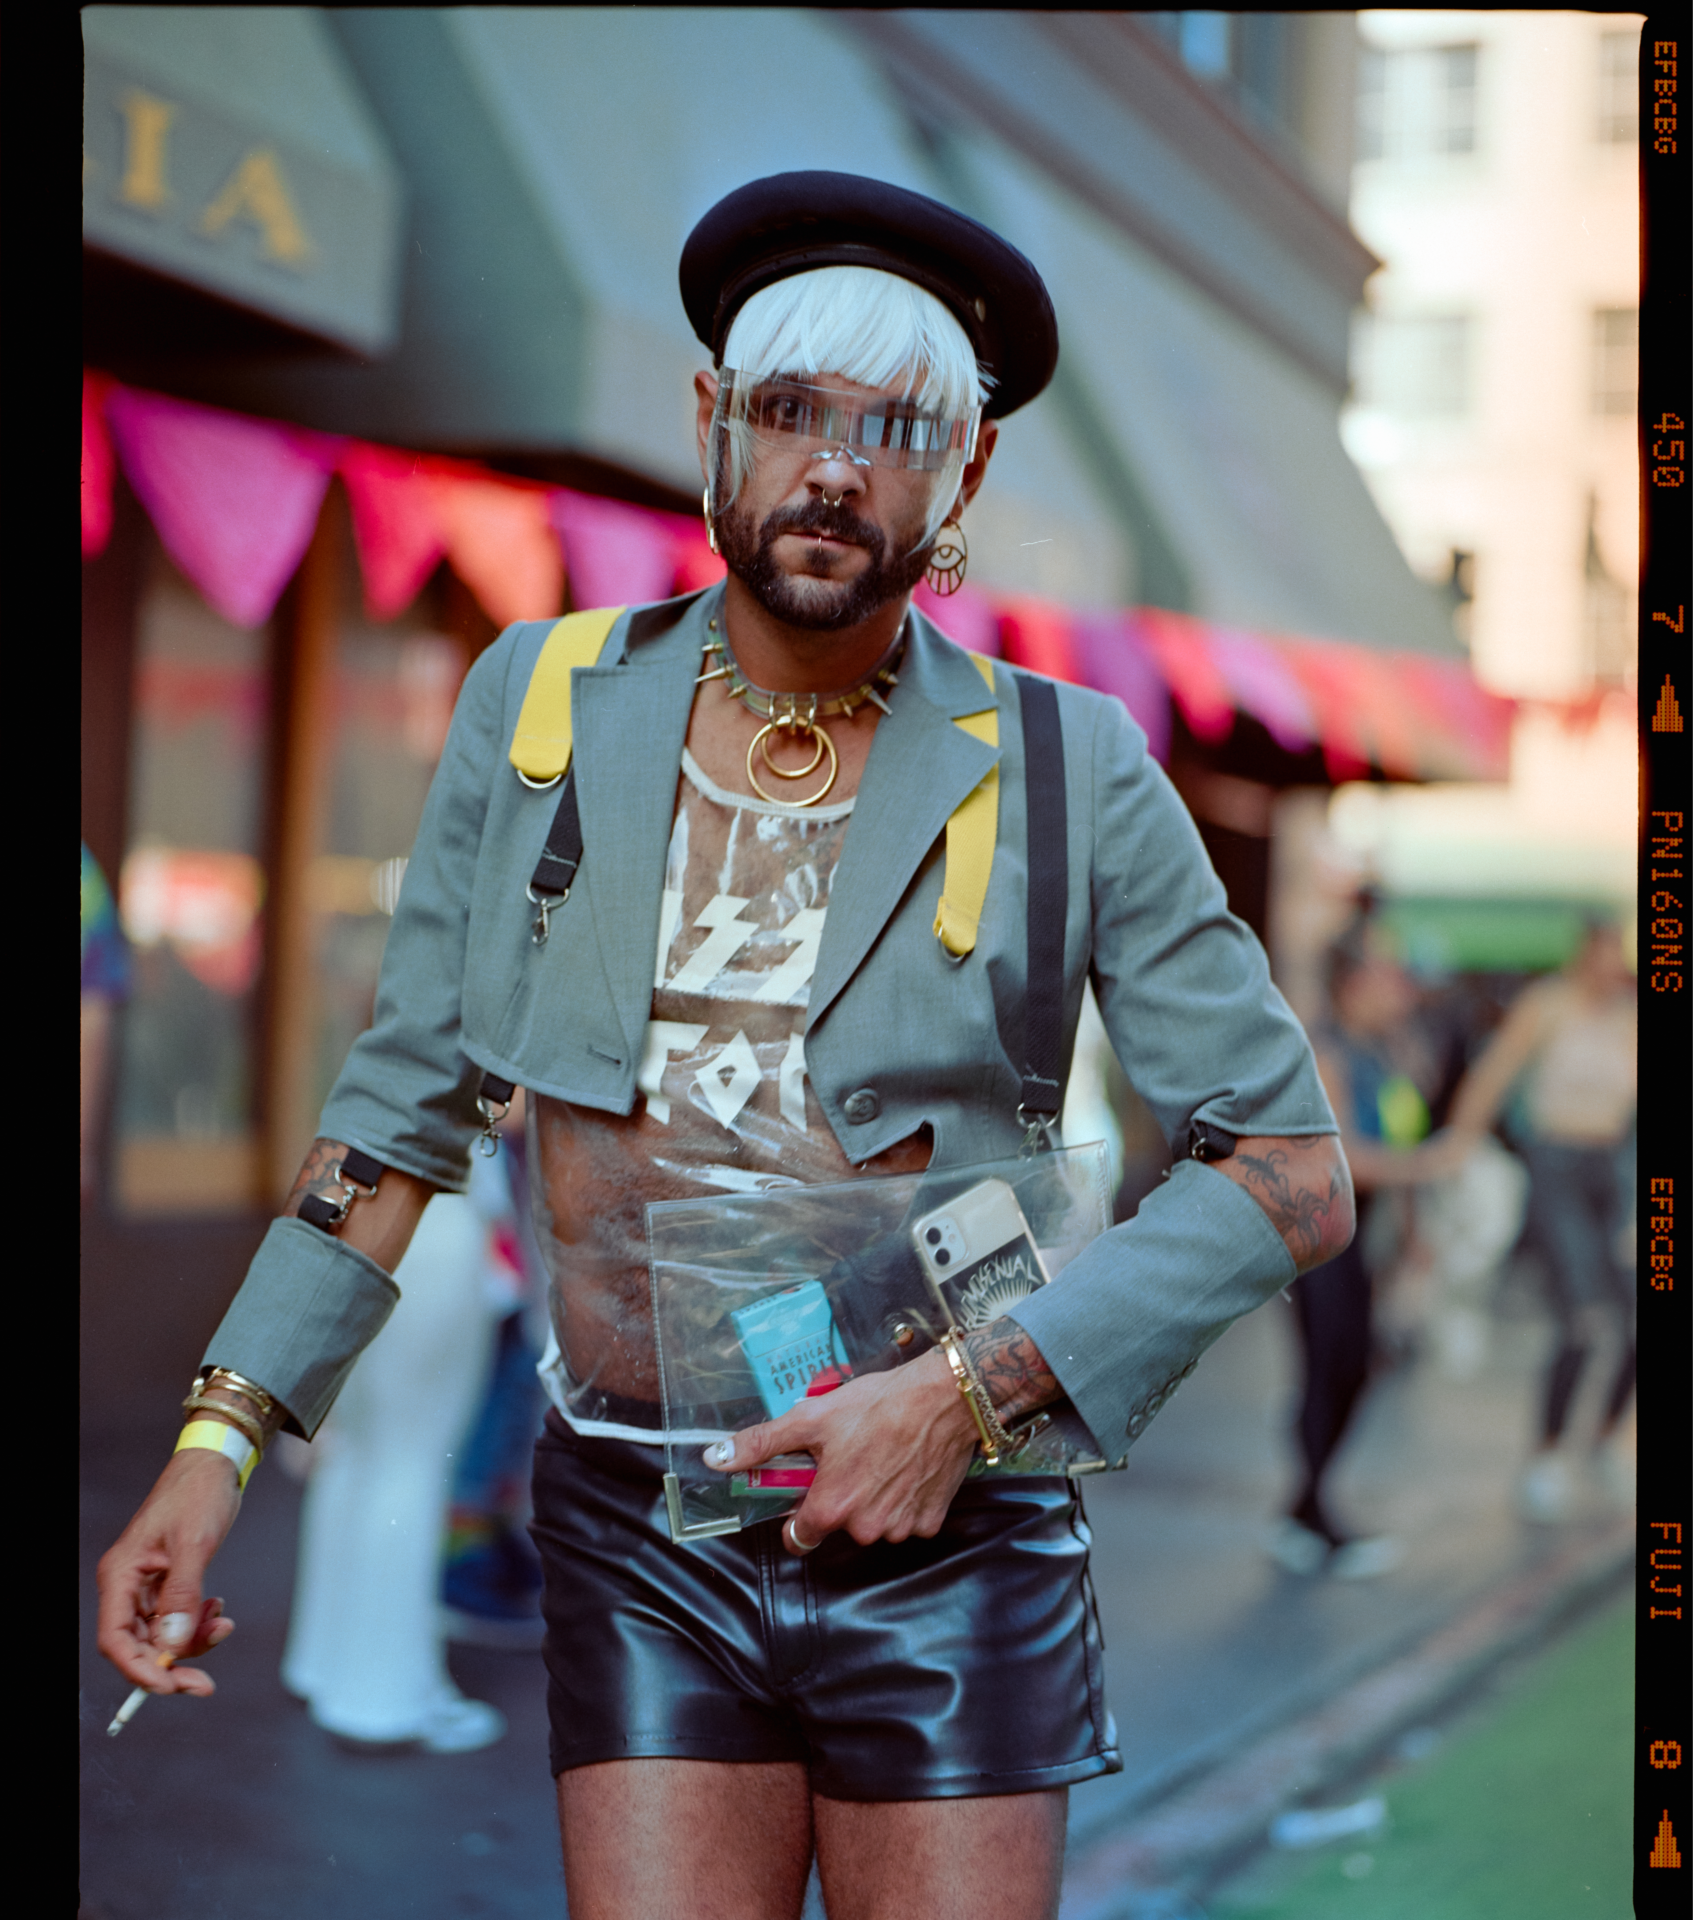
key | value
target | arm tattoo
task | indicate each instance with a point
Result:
(1308, 1206)
(317, 1176)
(1011, 1367)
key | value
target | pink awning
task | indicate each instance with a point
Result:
(235, 501)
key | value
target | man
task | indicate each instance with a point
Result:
(903, 1678)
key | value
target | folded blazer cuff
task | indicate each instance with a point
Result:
(308, 1308)
(1125, 1323)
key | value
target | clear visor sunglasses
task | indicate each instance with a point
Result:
(798, 416)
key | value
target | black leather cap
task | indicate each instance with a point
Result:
(792, 222)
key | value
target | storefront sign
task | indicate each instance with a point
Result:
(180, 185)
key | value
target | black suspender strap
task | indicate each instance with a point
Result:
(555, 871)
(1048, 861)
(357, 1174)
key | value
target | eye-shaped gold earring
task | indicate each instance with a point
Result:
(710, 526)
(948, 561)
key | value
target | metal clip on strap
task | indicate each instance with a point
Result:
(357, 1176)
(555, 871)
(493, 1103)
(1206, 1142)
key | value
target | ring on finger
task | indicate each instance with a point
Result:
(794, 1540)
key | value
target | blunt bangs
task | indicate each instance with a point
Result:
(857, 324)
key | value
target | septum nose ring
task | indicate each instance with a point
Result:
(842, 452)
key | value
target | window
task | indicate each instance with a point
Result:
(1418, 102)
(394, 688)
(1452, 110)
(1372, 104)
(1608, 614)
(1460, 591)
(1616, 360)
(1619, 88)
(191, 895)
(1416, 366)
(1205, 43)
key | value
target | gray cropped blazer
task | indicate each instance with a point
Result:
(898, 1034)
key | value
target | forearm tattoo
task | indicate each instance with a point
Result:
(317, 1176)
(1309, 1206)
(1012, 1368)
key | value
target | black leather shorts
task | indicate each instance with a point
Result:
(967, 1664)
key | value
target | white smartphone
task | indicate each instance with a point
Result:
(978, 1254)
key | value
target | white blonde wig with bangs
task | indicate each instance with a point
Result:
(859, 324)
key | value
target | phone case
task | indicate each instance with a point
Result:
(978, 1255)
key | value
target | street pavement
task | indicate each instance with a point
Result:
(239, 1807)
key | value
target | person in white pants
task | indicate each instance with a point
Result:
(366, 1650)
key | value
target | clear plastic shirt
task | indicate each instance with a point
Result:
(724, 1104)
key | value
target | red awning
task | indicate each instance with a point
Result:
(212, 482)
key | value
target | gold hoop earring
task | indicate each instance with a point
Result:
(948, 561)
(710, 526)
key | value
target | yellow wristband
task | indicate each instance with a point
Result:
(215, 1437)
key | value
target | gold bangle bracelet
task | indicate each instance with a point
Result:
(995, 1439)
(243, 1422)
(238, 1383)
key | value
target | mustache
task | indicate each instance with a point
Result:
(834, 523)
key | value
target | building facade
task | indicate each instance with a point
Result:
(1493, 413)
(455, 231)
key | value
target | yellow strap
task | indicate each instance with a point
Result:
(215, 1437)
(970, 836)
(540, 748)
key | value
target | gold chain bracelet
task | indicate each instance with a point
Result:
(995, 1439)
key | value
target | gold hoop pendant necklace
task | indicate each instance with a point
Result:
(797, 716)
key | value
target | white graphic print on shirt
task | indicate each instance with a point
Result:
(724, 1104)
(746, 890)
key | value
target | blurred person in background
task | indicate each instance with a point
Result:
(105, 982)
(366, 1642)
(1373, 1066)
(1564, 1063)
(1458, 1231)
(491, 1580)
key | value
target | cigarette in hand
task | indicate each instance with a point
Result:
(132, 1706)
(126, 1712)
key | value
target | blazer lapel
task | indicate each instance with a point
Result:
(633, 716)
(920, 767)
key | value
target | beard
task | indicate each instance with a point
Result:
(812, 600)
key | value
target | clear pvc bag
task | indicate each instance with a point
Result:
(762, 1299)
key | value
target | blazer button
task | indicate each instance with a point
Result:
(1136, 1426)
(863, 1105)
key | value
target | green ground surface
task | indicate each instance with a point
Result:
(1521, 1813)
